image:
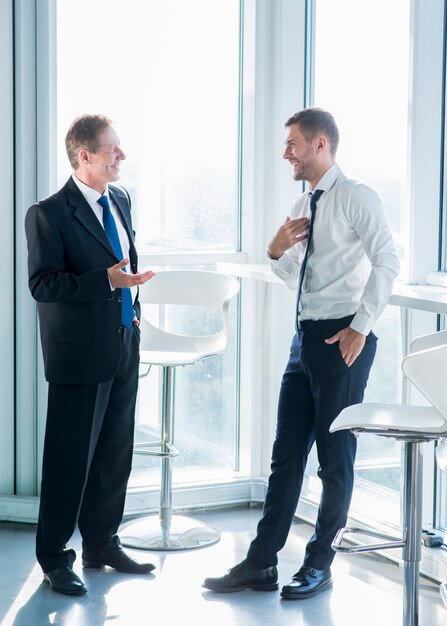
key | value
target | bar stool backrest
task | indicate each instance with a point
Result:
(187, 287)
(427, 371)
(201, 287)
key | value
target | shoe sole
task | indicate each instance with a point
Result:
(96, 565)
(92, 565)
(266, 587)
(79, 592)
(307, 594)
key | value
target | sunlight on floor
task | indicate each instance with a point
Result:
(367, 590)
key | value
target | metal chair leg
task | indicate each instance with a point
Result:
(165, 513)
(412, 526)
(411, 536)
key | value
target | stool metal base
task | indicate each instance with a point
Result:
(184, 533)
(411, 532)
(391, 542)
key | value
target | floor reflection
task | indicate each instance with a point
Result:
(367, 589)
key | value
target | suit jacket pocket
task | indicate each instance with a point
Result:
(77, 336)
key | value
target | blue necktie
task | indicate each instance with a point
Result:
(313, 207)
(127, 313)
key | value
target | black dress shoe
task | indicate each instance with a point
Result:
(64, 580)
(114, 556)
(307, 582)
(244, 576)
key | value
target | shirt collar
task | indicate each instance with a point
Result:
(91, 195)
(327, 181)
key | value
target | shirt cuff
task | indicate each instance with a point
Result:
(362, 324)
(283, 263)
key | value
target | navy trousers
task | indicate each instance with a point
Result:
(316, 386)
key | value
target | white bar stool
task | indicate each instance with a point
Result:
(170, 350)
(425, 368)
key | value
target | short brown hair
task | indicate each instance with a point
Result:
(84, 132)
(313, 121)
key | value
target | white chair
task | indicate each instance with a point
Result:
(170, 350)
(425, 367)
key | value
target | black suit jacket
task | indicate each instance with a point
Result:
(79, 314)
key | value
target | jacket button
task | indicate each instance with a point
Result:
(119, 299)
(119, 329)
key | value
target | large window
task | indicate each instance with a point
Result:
(167, 74)
(361, 76)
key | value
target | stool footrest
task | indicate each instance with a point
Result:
(166, 449)
(391, 542)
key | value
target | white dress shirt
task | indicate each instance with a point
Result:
(92, 196)
(353, 261)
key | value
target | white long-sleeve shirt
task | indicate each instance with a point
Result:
(353, 261)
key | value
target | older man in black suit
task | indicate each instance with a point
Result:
(82, 266)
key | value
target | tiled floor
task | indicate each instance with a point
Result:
(367, 589)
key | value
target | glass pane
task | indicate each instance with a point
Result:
(442, 501)
(441, 475)
(378, 463)
(167, 73)
(205, 402)
(361, 76)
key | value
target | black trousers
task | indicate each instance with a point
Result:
(316, 386)
(87, 460)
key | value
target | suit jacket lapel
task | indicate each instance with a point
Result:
(83, 212)
(123, 205)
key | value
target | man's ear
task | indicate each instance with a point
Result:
(84, 156)
(321, 142)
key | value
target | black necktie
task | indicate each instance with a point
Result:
(111, 231)
(313, 207)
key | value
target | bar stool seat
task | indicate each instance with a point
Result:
(391, 417)
(200, 288)
(425, 368)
